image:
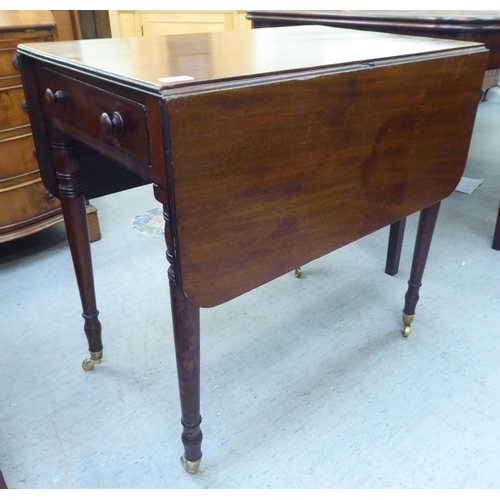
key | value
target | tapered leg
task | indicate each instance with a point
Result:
(496, 236)
(426, 225)
(396, 235)
(186, 325)
(75, 218)
(3, 486)
(186, 322)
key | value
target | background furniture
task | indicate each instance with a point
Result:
(26, 206)
(67, 24)
(82, 24)
(126, 23)
(94, 24)
(474, 25)
(267, 149)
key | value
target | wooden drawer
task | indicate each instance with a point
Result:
(24, 204)
(12, 113)
(82, 104)
(16, 155)
(6, 66)
(8, 51)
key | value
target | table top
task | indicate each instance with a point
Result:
(170, 62)
(473, 25)
(286, 144)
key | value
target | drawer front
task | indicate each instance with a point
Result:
(7, 67)
(80, 105)
(12, 113)
(17, 156)
(24, 204)
(8, 52)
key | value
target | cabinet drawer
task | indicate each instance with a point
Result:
(16, 156)
(23, 204)
(7, 68)
(80, 105)
(8, 51)
(12, 113)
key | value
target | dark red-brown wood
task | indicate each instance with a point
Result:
(396, 235)
(186, 323)
(75, 219)
(262, 159)
(321, 163)
(3, 486)
(186, 326)
(496, 236)
(425, 230)
(473, 25)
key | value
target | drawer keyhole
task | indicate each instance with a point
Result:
(110, 127)
(53, 98)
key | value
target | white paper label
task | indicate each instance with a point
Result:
(175, 79)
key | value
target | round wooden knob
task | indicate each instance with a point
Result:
(110, 127)
(53, 98)
(49, 196)
(105, 126)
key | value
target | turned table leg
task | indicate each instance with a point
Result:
(186, 326)
(3, 486)
(75, 219)
(496, 236)
(396, 235)
(426, 225)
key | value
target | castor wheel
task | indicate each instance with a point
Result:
(407, 319)
(95, 359)
(191, 467)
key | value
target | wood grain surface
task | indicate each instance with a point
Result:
(284, 144)
(18, 20)
(212, 57)
(473, 25)
(270, 177)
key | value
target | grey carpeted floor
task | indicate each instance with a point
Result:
(306, 383)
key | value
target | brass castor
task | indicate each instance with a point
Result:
(95, 359)
(191, 467)
(298, 272)
(407, 319)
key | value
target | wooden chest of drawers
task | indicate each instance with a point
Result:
(25, 204)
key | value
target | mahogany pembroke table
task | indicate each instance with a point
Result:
(267, 148)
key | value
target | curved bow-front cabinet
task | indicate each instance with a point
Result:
(25, 204)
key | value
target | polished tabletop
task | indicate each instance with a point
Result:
(170, 62)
